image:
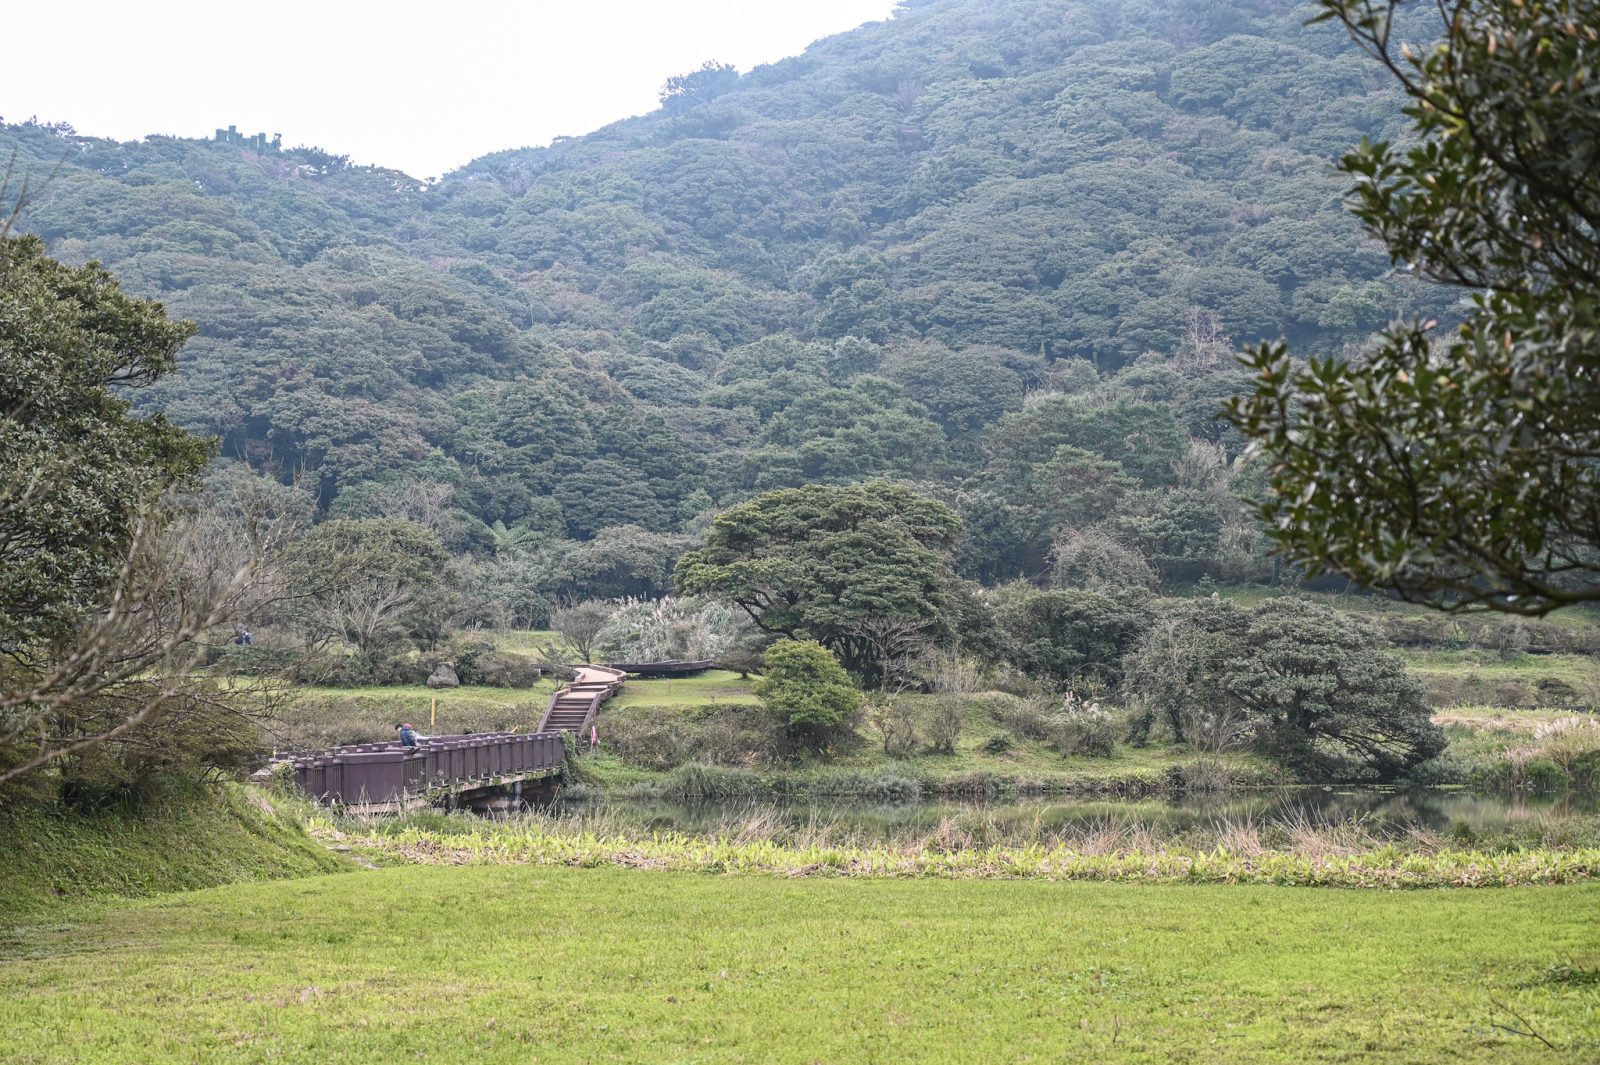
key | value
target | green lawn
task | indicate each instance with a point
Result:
(712, 686)
(534, 641)
(548, 964)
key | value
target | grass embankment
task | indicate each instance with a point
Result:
(680, 722)
(704, 738)
(331, 717)
(1456, 677)
(176, 843)
(522, 964)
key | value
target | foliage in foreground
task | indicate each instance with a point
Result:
(1460, 471)
(107, 583)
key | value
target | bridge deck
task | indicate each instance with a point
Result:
(387, 778)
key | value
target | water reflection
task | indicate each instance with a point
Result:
(1379, 811)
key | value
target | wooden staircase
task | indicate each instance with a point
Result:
(572, 709)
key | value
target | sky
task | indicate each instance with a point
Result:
(420, 89)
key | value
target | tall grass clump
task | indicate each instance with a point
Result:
(699, 782)
(1557, 755)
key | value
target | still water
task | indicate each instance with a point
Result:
(1378, 811)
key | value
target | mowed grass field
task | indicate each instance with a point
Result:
(569, 964)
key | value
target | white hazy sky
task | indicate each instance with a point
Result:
(420, 88)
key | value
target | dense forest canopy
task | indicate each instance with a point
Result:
(1000, 251)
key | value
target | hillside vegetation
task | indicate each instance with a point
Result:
(859, 261)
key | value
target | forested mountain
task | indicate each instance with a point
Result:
(1000, 249)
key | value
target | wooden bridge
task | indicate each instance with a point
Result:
(673, 668)
(488, 769)
(485, 770)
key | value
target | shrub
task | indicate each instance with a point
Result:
(1069, 636)
(359, 670)
(896, 725)
(1027, 719)
(1313, 688)
(807, 689)
(252, 660)
(942, 723)
(663, 629)
(1572, 744)
(1084, 728)
(479, 662)
(999, 743)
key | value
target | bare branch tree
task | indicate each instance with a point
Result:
(191, 570)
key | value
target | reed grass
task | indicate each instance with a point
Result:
(1291, 850)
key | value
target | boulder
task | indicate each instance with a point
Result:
(444, 676)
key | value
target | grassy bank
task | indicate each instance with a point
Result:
(188, 840)
(1303, 855)
(547, 963)
(330, 717)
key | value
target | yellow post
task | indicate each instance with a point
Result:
(433, 716)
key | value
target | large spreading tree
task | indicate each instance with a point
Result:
(863, 569)
(1461, 470)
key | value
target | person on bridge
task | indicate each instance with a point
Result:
(408, 735)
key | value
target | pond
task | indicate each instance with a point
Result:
(1376, 812)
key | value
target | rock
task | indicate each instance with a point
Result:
(444, 677)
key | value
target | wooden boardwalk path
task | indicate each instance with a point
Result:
(572, 709)
(484, 768)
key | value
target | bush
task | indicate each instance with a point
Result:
(1084, 729)
(252, 660)
(662, 629)
(1573, 745)
(1313, 688)
(896, 724)
(942, 723)
(1025, 719)
(479, 662)
(807, 689)
(999, 743)
(359, 670)
(1069, 636)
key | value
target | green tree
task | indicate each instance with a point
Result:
(373, 582)
(110, 579)
(78, 470)
(1319, 690)
(582, 624)
(804, 685)
(683, 91)
(1069, 637)
(1459, 471)
(822, 562)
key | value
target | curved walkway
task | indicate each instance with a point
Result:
(572, 709)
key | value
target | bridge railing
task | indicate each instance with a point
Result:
(374, 773)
